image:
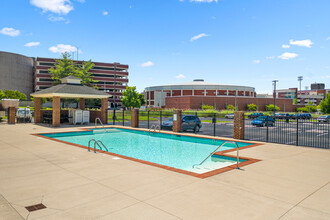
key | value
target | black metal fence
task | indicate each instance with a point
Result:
(214, 124)
(300, 132)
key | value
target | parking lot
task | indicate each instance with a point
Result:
(308, 133)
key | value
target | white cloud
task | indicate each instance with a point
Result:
(147, 64)
(198, 37)
(302, 43)
(180, 76)
(285, 46)
(32, 44)
(270, 58)
(56, 18)
(62, 48)
(287, 56)
(55, 6)
(328, 38)
(10, 32)
(105, 13)
(256, 61)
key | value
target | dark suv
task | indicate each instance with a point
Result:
(302, 116)
(188, 122)
(255, 115)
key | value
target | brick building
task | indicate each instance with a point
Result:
(106, 74)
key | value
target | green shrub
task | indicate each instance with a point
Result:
(252, 107)
(270, 107)
(230, 107)
(204, 107)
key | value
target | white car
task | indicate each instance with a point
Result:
(230, 116)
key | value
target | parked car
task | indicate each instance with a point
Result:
(262, 121)
(188, 122)
(324, 118)
(230, 116)
(283, 116)
(302, 116)
(255, 115)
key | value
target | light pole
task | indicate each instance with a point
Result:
(274, 82)
(300, 78)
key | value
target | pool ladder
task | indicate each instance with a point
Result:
(98, 143)
(154, 127)
(211, 154)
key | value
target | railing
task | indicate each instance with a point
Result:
(211, 154)
(98, 119)
(96, 142)
(154, 127)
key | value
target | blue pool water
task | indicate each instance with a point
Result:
(180, 152)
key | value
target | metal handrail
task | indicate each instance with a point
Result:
(237, 148)
(157, 126)
(152, 127)
(89, 142)
(98, 119)
(97, 142)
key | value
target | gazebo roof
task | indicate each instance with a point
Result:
(71, 87)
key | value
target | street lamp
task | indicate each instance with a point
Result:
(274, 83)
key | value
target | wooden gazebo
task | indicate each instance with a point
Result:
(70, 87)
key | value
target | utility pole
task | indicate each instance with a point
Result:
(300, 78)
(274, 82)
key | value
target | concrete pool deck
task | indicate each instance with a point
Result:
(288, 183)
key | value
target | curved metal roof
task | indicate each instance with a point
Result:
(199, 85)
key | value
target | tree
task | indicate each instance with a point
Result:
(2, 94)
(141, 97)
(13, 94)
(231, 107)
(65, 66)
(131, 98)
(295, 101)
(325, 104)
(271, 108)
(252, 107)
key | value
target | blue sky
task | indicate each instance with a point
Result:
(240, 42)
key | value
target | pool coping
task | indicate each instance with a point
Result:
(247, 161)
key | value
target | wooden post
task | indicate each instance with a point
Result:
(104, 111)
(37, 110)
(82, 104)
(11, 115)
(135, 118)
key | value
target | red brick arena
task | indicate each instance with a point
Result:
(192, 95)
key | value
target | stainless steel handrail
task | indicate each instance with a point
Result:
(98, 119)
(97, 142)
(152, 127)
(157, 126)
(237, 149)
(89, 142)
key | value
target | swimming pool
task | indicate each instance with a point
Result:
(170, 150)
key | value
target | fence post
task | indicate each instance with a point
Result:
(239, 123)
(114, 117)
(135, 118)
(297, 134)
(214, 123)
(267, 129)
(148, 119)
(195, 130)
(177, 121)
(123, 117)
(160, 119)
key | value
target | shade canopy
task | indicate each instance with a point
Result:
(71, 87)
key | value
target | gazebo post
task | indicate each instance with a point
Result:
(56, 111)
(37, 110)
(104, 110)
(82, 103)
